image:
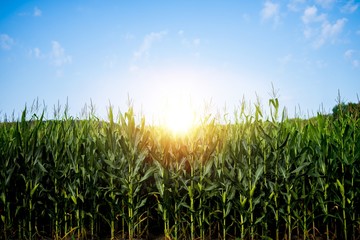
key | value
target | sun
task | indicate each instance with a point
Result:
(178, 114)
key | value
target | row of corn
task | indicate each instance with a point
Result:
(259, 177)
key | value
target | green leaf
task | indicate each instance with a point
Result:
(259, 219)
(42, 168)
(33, 190)
(258, 173)
(147, 174)
(80, 196)
(228, 208)
(3, 198)
(301, 167)
(73, 198)
(341, 187)
(142, 203)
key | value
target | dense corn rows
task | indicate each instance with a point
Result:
(257, 178)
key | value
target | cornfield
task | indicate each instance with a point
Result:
(260, 177)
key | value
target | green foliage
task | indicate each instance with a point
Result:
(258, 178)
(350, 108)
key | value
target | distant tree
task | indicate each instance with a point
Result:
(350, 108)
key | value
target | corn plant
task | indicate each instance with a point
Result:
(263, 176)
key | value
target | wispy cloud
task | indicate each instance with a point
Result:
(58, 56)
(351, 56)
(329, 32)
(147, 44)
(294, 5)
(311, 15)
(318, 28)
(349, 53)
(356, 63)
(55, 57)
(325, 3)
(195, 42)
(37, 12)
(271, 11)
(350, 7)
(128, 36)
(6, 42)
(190, 43)
(144, 48)
(36, 52)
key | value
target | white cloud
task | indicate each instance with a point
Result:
(325, 3)
(186, 42)
(37, 12)
(356, 63)
(128, 36)
(351, 56)
(271, 11)
(308, 32)
(349, 53)
(58, 56)
(147, 43)
(36, 52)
(350, 7)
(311, 15)
(318, 28)
(6, 42)
(294, 5)
(330, 30)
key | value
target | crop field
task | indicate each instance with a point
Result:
(258, 177)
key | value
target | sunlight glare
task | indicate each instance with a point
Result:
(179, 117)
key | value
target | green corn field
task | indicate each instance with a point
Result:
(261, 176)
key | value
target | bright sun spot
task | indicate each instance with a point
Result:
(175, 98)
(178, 117)
(178, 114)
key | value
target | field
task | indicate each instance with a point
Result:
(258, 177)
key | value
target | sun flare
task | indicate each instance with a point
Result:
(178, 115)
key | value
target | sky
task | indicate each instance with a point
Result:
(208, 54)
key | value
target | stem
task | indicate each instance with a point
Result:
(288, 213)
(265, 226)
(276, 200)
(192, 224)
(30, 214)
(123, 220)
(242, 226)
(344, 203)
(224, 214)
(304, 225)
(130, 214)
(112, 224)
(176, 221)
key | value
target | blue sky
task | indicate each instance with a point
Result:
(153, 51)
